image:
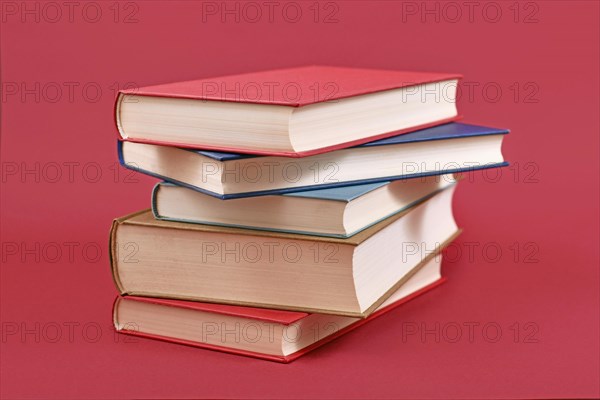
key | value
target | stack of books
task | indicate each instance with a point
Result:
(296, 204)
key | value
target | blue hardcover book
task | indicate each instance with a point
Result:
(444, 149)
(334, 212)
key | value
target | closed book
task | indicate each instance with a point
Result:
(273, 335)
(344, 276)
(291, 112)
(336, 212)
(444, 149)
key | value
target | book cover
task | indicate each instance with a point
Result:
(345, 82)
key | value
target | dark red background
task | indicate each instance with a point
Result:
(548, 210)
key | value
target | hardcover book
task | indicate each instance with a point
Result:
(274, 335)
(444, 149)
(336, 212)
(288, 112)
(343, 276)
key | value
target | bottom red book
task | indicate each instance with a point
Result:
(273, 335)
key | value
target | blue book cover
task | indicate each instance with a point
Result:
(344, 193)
(442, 132)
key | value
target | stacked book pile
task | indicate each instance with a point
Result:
(295, 204)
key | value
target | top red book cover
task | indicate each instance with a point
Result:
(293, 87)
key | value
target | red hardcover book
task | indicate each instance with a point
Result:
(291, 112)
(273, 335)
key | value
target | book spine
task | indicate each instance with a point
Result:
(117, 112)
(154, 200)
(112, 251)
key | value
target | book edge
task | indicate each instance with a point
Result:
(411, 273)
(354, 240)
(283, 191)
(309, 310)
(156, 214)
(361, 322)
(301, 154)
(291, 357)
